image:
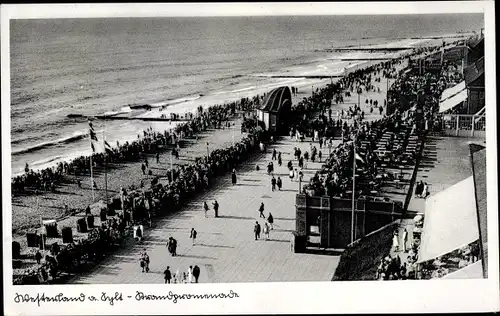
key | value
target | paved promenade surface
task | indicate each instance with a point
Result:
(225, 249)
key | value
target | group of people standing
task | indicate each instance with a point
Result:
(191, 276)
(215, 205)
(268, 225)
(421, 189)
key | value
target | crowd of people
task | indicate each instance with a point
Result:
(140, 204)
(150, 142)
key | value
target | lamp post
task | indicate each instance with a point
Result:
(232, 128)
(171, 168)
(387, 93)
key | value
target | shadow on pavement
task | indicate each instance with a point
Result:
(278, 240)
(236, 217)
(215, 246)
(196, 257)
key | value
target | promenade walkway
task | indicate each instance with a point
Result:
(225, 248)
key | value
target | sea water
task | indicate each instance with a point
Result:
(91, 66)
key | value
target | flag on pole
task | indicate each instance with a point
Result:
(107, 147)
(93, 136)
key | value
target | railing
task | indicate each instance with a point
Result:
(464, 125)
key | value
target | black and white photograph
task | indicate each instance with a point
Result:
(226, 146)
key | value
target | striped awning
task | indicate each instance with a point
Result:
(450, 221)
(453, 101)
(450, 92)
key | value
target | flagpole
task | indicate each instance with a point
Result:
(171, 168)
(91, 172)
(353, 188)
(105, 163)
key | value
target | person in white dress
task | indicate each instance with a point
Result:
(425, 191)
(266, 230)
(405, 239)
(190, 274)
(395, 241)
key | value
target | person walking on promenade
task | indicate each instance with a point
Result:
(157, 157)
(273, 184)
(256, 230)
(144, 261)
(216, 208)
(261, 210)
(290, 165)
(266, 230)
(190, 274)
(270, 220)
(280, 161)
(319, 156)
(419, 188)
(177, 276)
(146, 162)
(196, 273)
(296, 174)
(405, 239)
(292, 175)
(395, 241)
(205, 208)
(168, 275)
(193, 235)
(274, 154)
(233, 177)
(279, 183)
(425, 191)
(269, 168)
(38, 257)
(174, 247)
(143, 168)
(170, 247)
(139, 233)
